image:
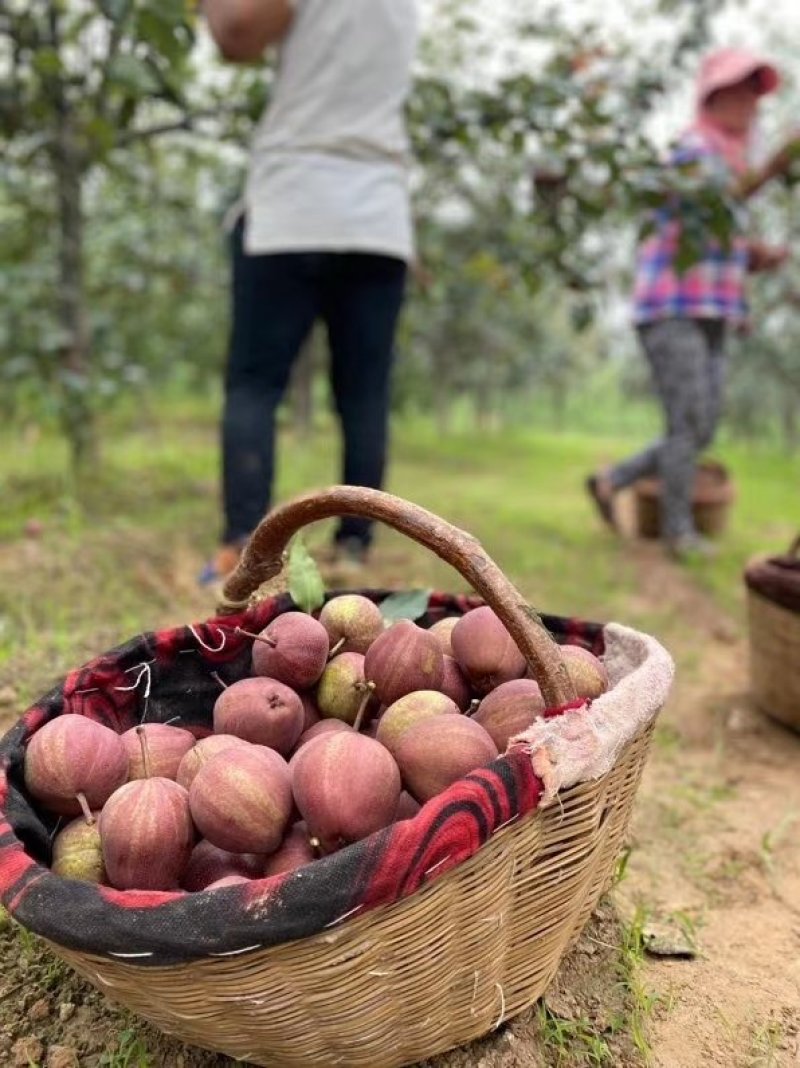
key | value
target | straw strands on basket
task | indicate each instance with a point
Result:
(434, 971)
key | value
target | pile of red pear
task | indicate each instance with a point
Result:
(346, 726)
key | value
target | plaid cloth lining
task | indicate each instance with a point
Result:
(158, 676)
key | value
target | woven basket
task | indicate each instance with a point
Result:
(714, 492)
(774, 634)
(458, 957)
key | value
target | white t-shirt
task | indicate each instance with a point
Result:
(330, 157)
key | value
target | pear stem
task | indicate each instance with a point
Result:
(335, 648)
(217, 678)
(145, 754)
(474, 705)
(257, 637)
(316, 846)
(87, 812)
(369, 687)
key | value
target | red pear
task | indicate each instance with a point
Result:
(509, 710)
(438, 751)
(346, 786)
(352, 620)
(485, 651)
(407, 807)
(262, 711)
(147, 835)
(399, 717)
(311, 713)
(166, 747)
(588, 673)
(293, 649)
(443, 631)
(77, 851)
(342, 690)
(72, 755)
(403, 659)
(325, 726)
(454, 684)
(295, 852)
(241, 800)
(202, 752)
(207, 864)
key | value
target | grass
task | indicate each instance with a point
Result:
(570, 1042)
(641, 1002)
(766, 1045)
(130, 1052)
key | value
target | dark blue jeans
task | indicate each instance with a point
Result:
(276, 300)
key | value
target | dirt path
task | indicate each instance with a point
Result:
(717, 850)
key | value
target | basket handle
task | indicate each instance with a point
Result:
(263, 559)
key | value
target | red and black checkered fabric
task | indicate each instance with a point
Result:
(168, 676)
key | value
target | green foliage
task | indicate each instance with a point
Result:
(526, 179)
(305, 581)
(408, 604)
(130, 1052)
(96, 67)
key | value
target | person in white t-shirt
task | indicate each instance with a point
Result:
(325, 233)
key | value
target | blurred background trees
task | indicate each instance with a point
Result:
(124, 143)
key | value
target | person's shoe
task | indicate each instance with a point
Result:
(222, 564)
(688, 547)
(599, 488)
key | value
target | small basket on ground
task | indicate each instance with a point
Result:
(426, 935)
(773, 609)
(714, 492)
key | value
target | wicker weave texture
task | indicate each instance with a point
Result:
(774, 659)
(710, 517)
(437, 970)
(712, 497)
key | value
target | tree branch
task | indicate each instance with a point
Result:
(114, 41)
(183, 125)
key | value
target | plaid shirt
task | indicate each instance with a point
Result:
(714, 288)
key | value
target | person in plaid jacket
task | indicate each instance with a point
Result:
(683, 316)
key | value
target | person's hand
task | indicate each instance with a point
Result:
(788, 154)
(778, 165)
(767, 257)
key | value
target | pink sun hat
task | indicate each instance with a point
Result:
(729, 66)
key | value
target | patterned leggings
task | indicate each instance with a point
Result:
(687, 360)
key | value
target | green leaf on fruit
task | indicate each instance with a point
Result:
(410, 604)
(305, 582)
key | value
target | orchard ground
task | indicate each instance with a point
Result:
(715, 847)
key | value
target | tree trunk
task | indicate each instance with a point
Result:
(790, 422)
(77, 416)
(442, 391)
(483, 398)
(442, 399)
(559, 394)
